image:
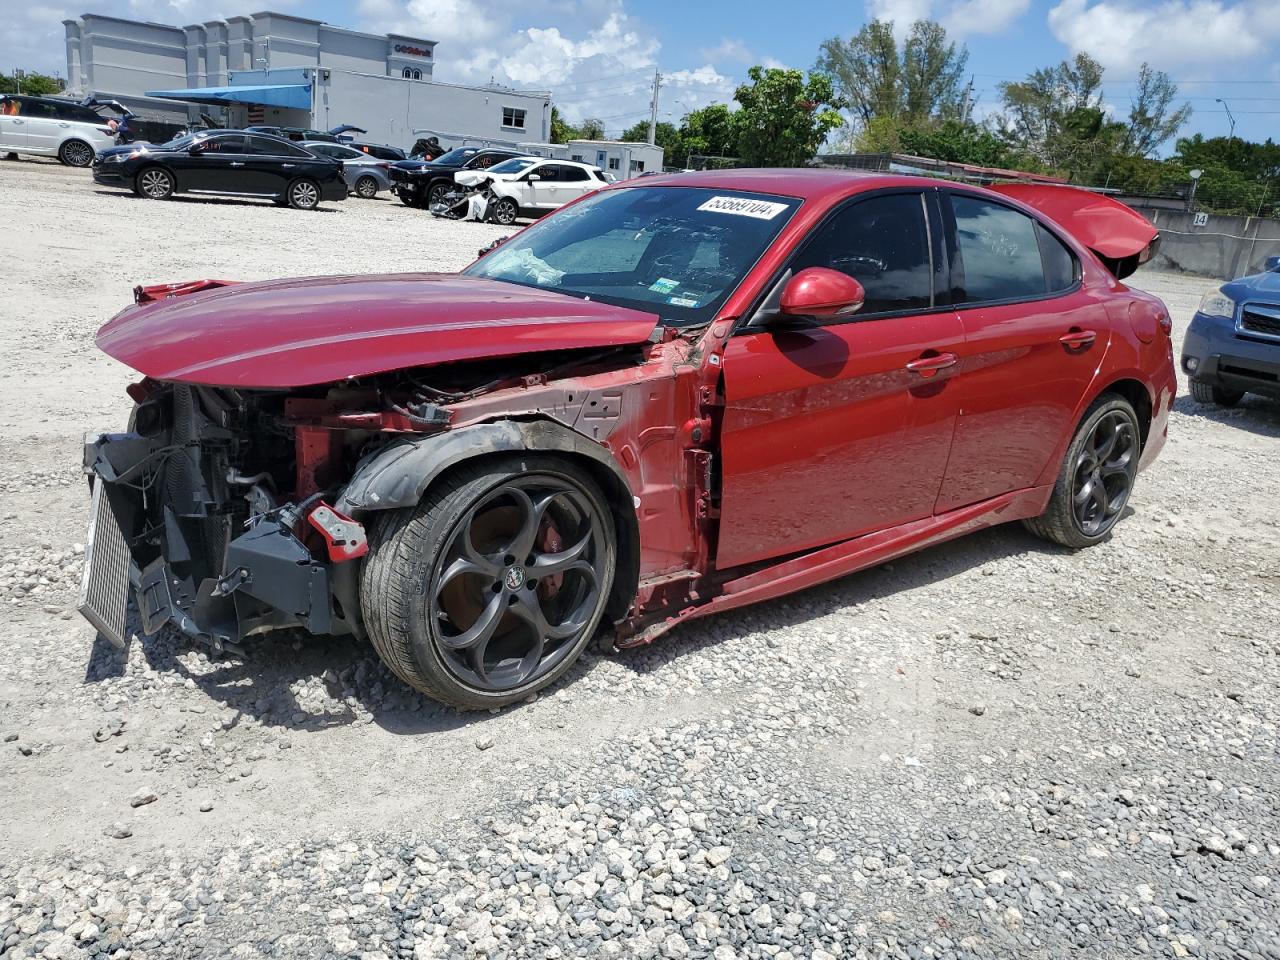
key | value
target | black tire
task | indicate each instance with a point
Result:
(1213, 395)
(366, 188)
(504, 211)
(1096, 479)
(408, 199)
(456, 614)
(435, 193)
(154, 183)
(76, 153)
(303, 194)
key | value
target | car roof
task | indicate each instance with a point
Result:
(805, 183)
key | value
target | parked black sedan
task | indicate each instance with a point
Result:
(228, 162)
(420, 183)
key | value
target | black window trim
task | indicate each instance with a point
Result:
(772, 290)
(953, 235)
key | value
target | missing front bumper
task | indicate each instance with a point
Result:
(267, 578)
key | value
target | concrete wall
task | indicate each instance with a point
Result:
(1220, 247)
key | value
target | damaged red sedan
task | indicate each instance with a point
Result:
(674, 397)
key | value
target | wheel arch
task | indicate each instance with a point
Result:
(1125, 384)
(1139, 397)
(400, 474)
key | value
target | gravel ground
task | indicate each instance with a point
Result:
(992, 748)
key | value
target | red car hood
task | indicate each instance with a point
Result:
(291, 333)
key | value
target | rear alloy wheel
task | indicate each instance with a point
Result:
(76, 153)
(155, 183)
(304, 195)
(366, 188)
(1097, 476)
(493, 585)
(505, 211)
(1214, 396)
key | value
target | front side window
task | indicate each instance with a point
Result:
(677, 252)
(223, 145)
(1004, 254)
(883, 243)
(513, 117)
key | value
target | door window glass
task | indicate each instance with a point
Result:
(549, 171)
(999, 252)
(882, 243)
(223, 145)
(572, 174)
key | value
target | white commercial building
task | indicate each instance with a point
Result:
(282, 70)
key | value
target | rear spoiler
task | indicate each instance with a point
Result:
(1122, 238)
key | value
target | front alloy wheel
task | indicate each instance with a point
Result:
(1097, 476)
(491, 588)
(155, 183)
(505, 211)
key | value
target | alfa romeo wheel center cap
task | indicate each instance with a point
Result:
(514, 578)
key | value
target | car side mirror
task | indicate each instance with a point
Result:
(1272, 264)
(821, 293)
(195, 150)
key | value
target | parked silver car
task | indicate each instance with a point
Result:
(365, 175)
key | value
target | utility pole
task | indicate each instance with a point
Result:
(653, 108)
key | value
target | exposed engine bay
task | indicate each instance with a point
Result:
(225, 499)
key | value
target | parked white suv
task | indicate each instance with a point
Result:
(50, 127)
(529, 186)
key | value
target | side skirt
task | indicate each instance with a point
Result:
(841, 559)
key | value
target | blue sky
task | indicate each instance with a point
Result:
(598, 56)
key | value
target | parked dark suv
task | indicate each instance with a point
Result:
(420, 183)
(1233, 344)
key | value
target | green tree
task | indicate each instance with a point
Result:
(1056, 119)
(784, 117)
(1152, 117)
(589, 129)
(33, 84)
(921, 80)
(666, 135)
(957, 142)
(561, 131)
(711, 131)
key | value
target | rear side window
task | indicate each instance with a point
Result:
(1006, 255)
(1059, 265)
(882, 243)
(573, 173)
(74, 111)
(266, 147)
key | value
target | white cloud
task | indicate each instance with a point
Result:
(960, 17)
(1170, 35)
(728, 50)
(596, 60)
